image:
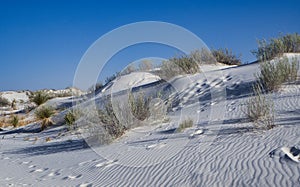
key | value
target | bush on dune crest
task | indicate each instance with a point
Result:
(39, 97)
(225, 56)
(267, 50)
(273, 74)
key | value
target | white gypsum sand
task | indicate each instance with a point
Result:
(215, 151)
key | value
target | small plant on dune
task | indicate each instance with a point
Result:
(139, 105)
(184, 64)
(44, 113)
(260, 108)
(187, 123)
(267, 50)
(273, 74)
(4, 102)
(39, 97)
(14, 104)
(226, 56)
(14, 121)
(110, 121)
(71, 117)
(203, 56)
(145, 65)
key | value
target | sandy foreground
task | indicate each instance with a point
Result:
(221, 149)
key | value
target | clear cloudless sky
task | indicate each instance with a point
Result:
(42, 41)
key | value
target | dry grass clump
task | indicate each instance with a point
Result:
(273, 74)
(267, 50)
(187, 123)
(139, 105)
(226, 56)
(260, 108)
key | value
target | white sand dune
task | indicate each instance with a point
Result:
(221, 149)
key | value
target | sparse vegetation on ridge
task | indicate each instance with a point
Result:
(273, 74)
(267, 50)
(39, 97)
(225, 56)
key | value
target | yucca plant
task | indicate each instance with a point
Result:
(40, 97)
(44, 113)
(14, 120)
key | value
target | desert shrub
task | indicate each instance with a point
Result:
(226, 56)
(178, 66)
(187, 123)
(145, 65)
(4, 102)
(203, 56)
(129, 69)
(70, 118)
(39, 97)
(267, 50)
(110, 121)
(139, 105)
(273, 74)
(44, 113)
(260, 108)
(14, 121)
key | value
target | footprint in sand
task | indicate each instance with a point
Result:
(106, 164)
(39, 170)
(85, 185)
(72, 177)
(156, 146)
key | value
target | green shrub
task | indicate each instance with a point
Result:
(4, 102)
(273, 74)
(226, 56)
(260, 108)
(267, 50)
(39, 97)
(70, 118)
(44, 113)
(14, 120)
(185, 124)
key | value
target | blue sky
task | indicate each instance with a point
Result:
(42, 42)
